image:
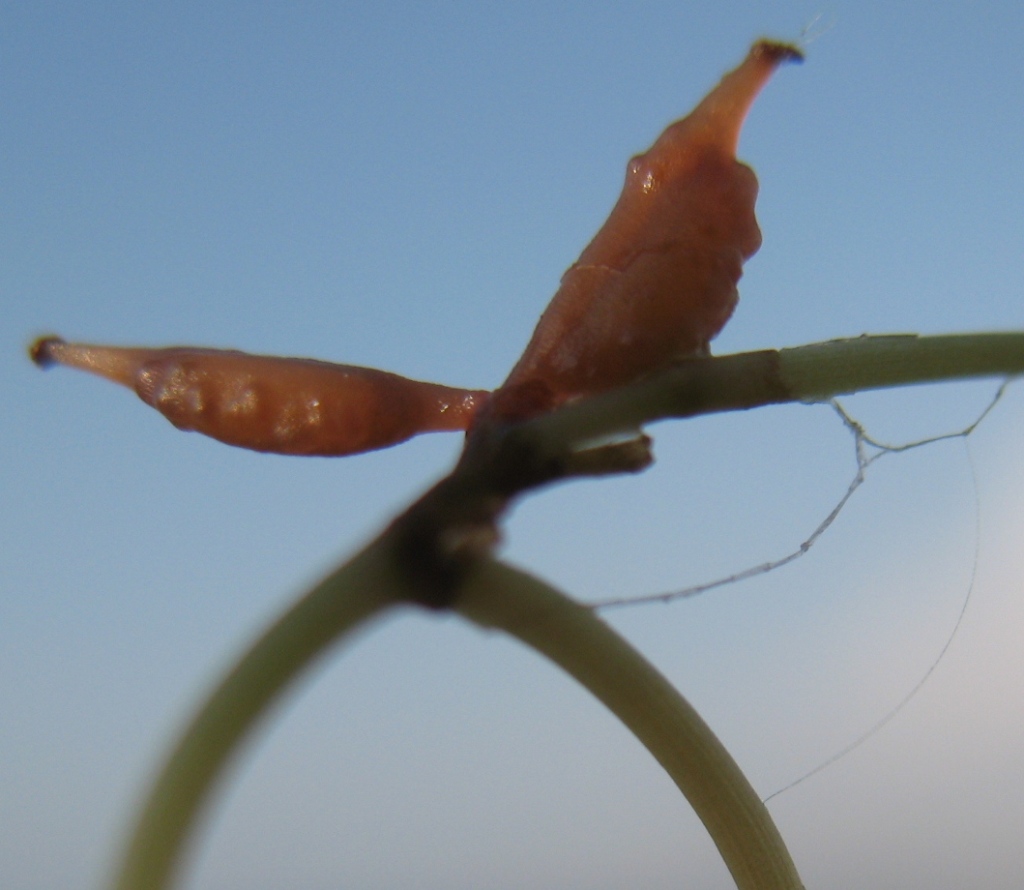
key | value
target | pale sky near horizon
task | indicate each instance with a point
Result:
(400, 185)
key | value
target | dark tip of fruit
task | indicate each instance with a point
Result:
(41, 351)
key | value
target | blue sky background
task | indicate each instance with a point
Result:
(400, 185)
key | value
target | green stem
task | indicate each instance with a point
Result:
(340, 604)
(572, 636)
(567, 633)
(821, 371)
(747, 380)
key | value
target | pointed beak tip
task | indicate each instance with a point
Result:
(776, 52)
(41, 351)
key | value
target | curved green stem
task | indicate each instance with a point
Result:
(339, 605)
(572, 636)
(494, 595)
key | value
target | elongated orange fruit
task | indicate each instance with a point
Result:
(658, 281)
(266, 403)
